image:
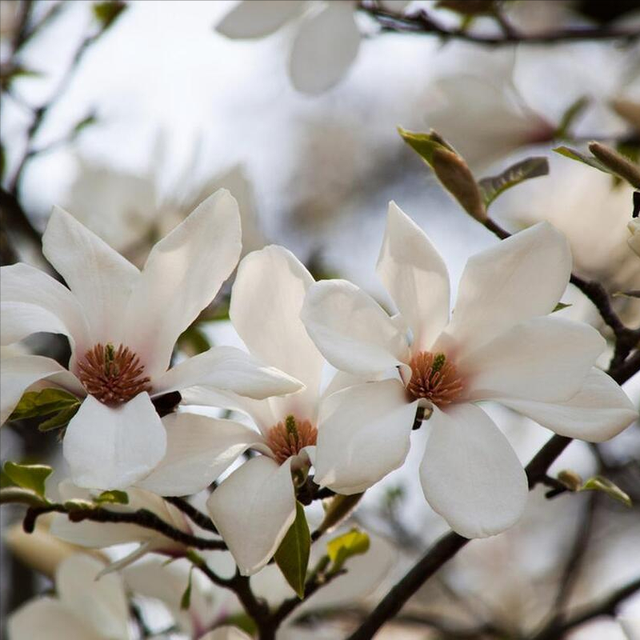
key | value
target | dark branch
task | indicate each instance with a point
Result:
(196, 516)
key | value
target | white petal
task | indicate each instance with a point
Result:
(351, 330)
(199, 449)
(99, 277)
(226, 633)
(114, 447)
(326, 45)
(634, 240)
(253, 509)
(544, 359)
(415, 276)
(181, 277)
(396, 6)
(470, 475)
(266, 302)
(520, 278)
(363, 435)
(598, 412)
(100, 603)
(34, 302)
(258, 19)
(227, 369)
(18, 373)
(48, 618)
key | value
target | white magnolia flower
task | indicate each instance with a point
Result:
(496, 346)
(255, 505)
(122, 325)
(634, 240)
(85, 608)
(326, 42)
(101, 535)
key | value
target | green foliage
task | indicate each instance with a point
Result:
(493, 186)
(581, 157)
(569, 117)
(340, 549)
(469, 7)
(600, 483)
(292, 556)
(424, 144)
(112, 497)
(560, 306)
(107, 12)
(194, 341)
(60, 405)
(185, 601)
(244, 622)
(21, 496)
(28, 476)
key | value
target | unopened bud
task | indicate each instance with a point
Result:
(617, 163)
(456, 177)
(628, 110)
(570, 479)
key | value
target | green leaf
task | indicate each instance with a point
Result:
(43, 403)
(28, 476)
(424, 144)
(600, 483)
(112, 497)
(185, 601)
(21, 496)
(581, 157)
(493, 186)
(292, 556)
(60, 420)
(574, 111)
(561, 305)
(350, 544)
(107, 12)
(194, 340)
(244, 622)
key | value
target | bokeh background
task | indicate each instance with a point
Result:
(159, 110)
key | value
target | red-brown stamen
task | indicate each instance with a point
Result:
(434, 378)
(288, 438)
(112, 375)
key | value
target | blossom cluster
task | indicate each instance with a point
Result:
(423, 367)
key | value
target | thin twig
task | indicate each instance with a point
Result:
(196, 516)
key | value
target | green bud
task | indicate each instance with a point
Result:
(617, 163)
(570, 479)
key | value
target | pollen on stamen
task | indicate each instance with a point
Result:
(435, 378)
(288, 438)
(112, 375)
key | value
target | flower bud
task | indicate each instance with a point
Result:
(570, 479)
(617, 163)
(456, 177)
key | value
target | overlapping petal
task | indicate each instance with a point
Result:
(114, 447)
(363, 435)
(599, 411)
(199, 449)
(351, 330)
(253, 509)
(470, 475)
(181, 277)
(518, 279)
(258, 19)
(415, 276)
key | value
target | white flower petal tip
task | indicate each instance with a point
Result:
(470, 475)
(226, 633)
(114, 447)
(634, 240)
(253, 510)
(258, 19)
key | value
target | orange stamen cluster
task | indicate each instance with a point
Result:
(112, 375)
(433, 378)
(288, 438)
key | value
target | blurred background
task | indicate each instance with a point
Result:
(129, 114)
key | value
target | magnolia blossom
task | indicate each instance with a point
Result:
(122, 325)
(327, 37)
(634, 240)
(256, 504)
(85, 608)
(497, 345)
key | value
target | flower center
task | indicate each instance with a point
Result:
(434, 378)
(288, 438)
(112, 375)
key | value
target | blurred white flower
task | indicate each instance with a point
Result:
(326, 41)
(122, 325)
(85, 608)
(634, 240)
(497, 346)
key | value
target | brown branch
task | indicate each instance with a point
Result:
(195, 515)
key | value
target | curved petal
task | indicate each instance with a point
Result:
(227, 369)
(181, 277)
(226, 633)
(363, 435)
(522, 277)
(598, 412)
(18, 373)
(470, 475)
(199, 449)
(326, 45)
(266, 302)
(99, 277)
(34, 302)
(100, 603)
(253, 510)
(415, 276)
(544, 359)
(258, 19)
(352, 330)
(48, 617)
(114, 447)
